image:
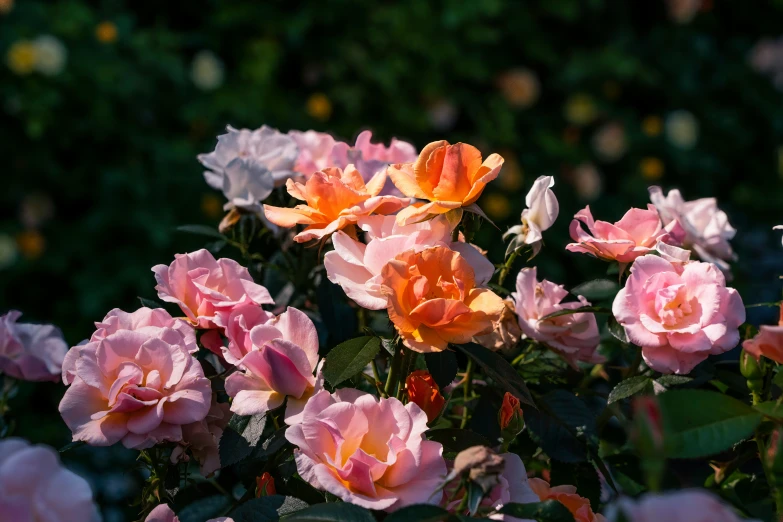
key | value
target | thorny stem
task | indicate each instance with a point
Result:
(467, 390)
(507, 266)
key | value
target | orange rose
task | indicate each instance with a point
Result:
(425, 393)
(433, 300)
(448, 176)
(335, 199)
(566, 495)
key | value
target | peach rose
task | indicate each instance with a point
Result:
(135, 386)
(424, 392)
(566, 495)
(163, 513)
(448, 176)
(334, 198)
(768, 342)
(278, 363)
(156, 322)
(433, 299)
(34, 486)
(636, 234)
(574, 336)
(207, 289)
(202, 438)
(689, 505)
(30, 352)
(512, 487)
(357, 267)
(368, 451)
(678, 315)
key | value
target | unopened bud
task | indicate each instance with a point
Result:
(425, 393)
(265, 485)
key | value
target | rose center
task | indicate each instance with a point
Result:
(672, 304)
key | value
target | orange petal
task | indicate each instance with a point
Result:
(488, 171)
(289, 217)
(375, 185)
(401, 175)
(426, 168)
(424, 340)
(296, 190)
(460, 162)
(438, 312)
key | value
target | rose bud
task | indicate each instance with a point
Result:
(647, 436)
(510, 419)
(424, 392)
(265, 485)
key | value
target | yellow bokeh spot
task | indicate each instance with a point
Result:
(652, 126)
(211, 206)
(319, 106)
(106, 32)
(496, 206)
(21, 57)
(31, 244)
(651, 168)
(580, 109)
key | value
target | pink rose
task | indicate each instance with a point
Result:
(315, 151)
(512, 487)
(135, 386)
(163, 513)
(156, 322)
(239, 323)
(207, 289)
(768, 342)
(370, 158)
(636, 234)
(202, 438)
(679, 315)
(689, 505)
(30, 352)
(278, 362)
(574, 336)
(368, 451)
(357, 267)
(699, 224)
(35, 486)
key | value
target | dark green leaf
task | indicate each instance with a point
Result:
(562, 426)
(672, 381)
(583, 476)
(769, 409)
(240, 437)
(349, 358)
(630, 387)
(455, 440)
(419, 513)
(592, 309)
(549, 511)
(442, 366)
(499, 370)
(204, 509)
(72, 445)
(201, 230)
(597, 289)
(617, 330)
(332, 512)
(338, 316)
(700, 423)
(267, 509)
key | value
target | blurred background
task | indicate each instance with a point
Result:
(105, 104)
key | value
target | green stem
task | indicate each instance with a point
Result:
(377, 376)
(467, 390)
(394, 369)
(507, 266)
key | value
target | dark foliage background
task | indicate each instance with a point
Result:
(100, 156)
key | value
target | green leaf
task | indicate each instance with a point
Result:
(455, 440)
(768, 409)
(549, 511)
(201, 230)
(332, 512)
(561, 426)
(149, 303)
(597, 289)
(419, 513)
(699, 423)
(630, 387)
(672, 381)
(617, 330)
(349, 358)
(240, 437)
(72, 445)
(442, 366)
(499, 370)
(267, 509)
(204, 509)
(581, 309)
